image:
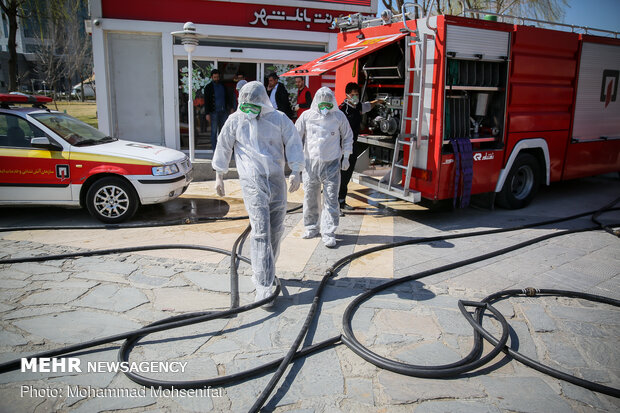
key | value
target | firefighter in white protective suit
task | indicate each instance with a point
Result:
(260, 137)
(327, 137)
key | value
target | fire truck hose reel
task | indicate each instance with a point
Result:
(471, 361)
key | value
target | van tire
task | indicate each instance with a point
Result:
(112, 200)
(521, 184)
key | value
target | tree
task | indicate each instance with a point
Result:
(77, 47)
(550, 10)
(12, 9)
(51, 38)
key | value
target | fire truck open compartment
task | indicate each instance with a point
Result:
(382, 76)
(475, 102)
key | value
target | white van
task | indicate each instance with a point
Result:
(89, 91)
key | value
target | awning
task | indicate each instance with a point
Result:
(344, 55)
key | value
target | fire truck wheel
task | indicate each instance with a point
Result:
(521, 184)
(111, 200)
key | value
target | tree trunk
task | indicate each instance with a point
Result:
(12, 46)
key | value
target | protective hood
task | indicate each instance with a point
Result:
(324, 95)
(254, 92)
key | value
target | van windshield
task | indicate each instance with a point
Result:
(73, 131)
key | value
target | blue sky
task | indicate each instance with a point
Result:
(602, 14)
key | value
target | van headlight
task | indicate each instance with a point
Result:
(165, 170)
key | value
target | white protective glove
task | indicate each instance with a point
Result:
(294, 181)
(219, 184)
(345, 163)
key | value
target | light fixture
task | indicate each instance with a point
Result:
(189, 38)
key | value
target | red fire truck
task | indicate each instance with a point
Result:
(477, 106)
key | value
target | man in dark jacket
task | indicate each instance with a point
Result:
(278, 95)
(353, 109)
(218, 103)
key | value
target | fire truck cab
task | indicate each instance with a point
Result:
(476, 106)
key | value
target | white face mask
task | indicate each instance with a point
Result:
(250, 115)
(353, 99)
(324, 111)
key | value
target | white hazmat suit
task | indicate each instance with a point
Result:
(327, 136)
(260, 143)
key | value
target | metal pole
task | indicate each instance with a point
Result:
(190, 107)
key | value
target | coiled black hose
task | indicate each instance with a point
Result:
(133, 337)
(532, 292)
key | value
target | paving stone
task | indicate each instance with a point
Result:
(11, 401)
(180, 342)
(603, 352)
(361, 390)
(101, 276)
(13, 284)
(456, 406)
(430, 354)
(95, 264)
(11, 273)
(30, 312)
(157, 271)
(523, 394)
(35, 268)
(183, 300)
(317, 377)
(397, 389)
(538, 318)
(75, 326)
(194, 403)
(586, 315)
(101, 404)
(11, 339)
(406, 323)
(453, 322)
(5, 307)
(50, 277)
(222, 346)
(562, 352)
(110, 297)
(55, 296)
(522, 340)
(218, 282)
(582, 395)
(148, 281)
(586, 329)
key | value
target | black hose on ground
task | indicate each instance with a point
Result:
(533, 292)
(187, 319)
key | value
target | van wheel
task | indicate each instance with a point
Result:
(111, 200)
(521, 184)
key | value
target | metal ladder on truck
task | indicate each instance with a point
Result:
(410, 137)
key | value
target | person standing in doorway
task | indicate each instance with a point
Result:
(218, 103)
(304, 97)
(278, 95)
(353, 109)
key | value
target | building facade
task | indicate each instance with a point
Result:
(142, 70)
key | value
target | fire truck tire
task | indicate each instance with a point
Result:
(112, 200)
(521, 183)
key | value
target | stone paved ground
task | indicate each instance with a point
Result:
(54, 303)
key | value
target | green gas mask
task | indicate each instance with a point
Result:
(250, 108)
